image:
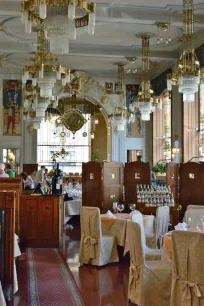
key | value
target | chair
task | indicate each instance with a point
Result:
(161, 227)
(95, 248)
(150, 254)
(149, 282)
(188, 269)
(195, 215)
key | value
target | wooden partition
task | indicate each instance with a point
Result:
(112, 183)
(99, 182)
(135, 173)
(30, 168)
(172, 179)
(7, 206)
(13, 184)
(191, 185)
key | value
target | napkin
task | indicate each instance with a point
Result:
(181, 227)
(110, 215)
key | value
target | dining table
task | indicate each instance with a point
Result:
(117, 227)
(167, 246)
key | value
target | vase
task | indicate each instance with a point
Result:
(115, 205)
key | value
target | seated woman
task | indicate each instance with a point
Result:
(27, 181)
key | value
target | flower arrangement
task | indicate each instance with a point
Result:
(113, 198)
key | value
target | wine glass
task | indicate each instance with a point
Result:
(132, 206)
(120, 207)
(189, 222)
(200, 225)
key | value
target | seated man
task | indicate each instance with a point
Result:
(9, 171)
(2, 172)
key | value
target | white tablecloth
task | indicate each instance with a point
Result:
(17, 253)
(71, 208)
(2, 299)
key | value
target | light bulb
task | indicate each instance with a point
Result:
(161, 38)
(92, 135)
(158, 40)
(167, 41)
(34, 81)
(96, 121)
(28, 27)
(43, 11)
(92, 18)
(41, 74)
(58, 75)
(64, 81)
(24, 17)
(169, 38)
(71, 11)
(91, 28)
(68, 78)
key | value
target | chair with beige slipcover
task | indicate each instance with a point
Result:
(195, 207)
(95, 248)
(188, 269)
(149, 281)
(195, 215)
(150, 254)
(155, 240)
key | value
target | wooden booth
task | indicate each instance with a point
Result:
(13, 184)
(99, 182)
(135, 173)
(41, 221)
(7, 226)
(191, 185)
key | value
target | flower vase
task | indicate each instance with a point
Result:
(115, 205)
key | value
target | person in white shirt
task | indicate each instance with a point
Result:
(40, 174)
(27, 181)
(2, 172)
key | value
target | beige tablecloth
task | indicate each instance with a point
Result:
(119, 228)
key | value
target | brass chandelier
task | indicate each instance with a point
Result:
(121, 117)
(144, 98)
(187, 75)
(46, 70)
(61, 19)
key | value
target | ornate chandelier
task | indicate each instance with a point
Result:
(121, 117)
(61, 19)
(187, 75)
(46, 70)
(144, 98)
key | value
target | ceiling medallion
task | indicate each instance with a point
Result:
(61, 19)
(73, 120)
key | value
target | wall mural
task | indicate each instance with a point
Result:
(12, 98)
(135, 129)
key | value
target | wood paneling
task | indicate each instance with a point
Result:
(7, 202)
(40, 221)
(135, 173)
(13, 184)
(30, 168)
(92, 184)
(112, 183)
(191, 185)
(99, 181)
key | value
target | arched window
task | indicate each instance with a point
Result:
(50, 144)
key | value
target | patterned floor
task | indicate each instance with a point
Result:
(50, 282)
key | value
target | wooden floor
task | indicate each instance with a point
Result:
(106, 286)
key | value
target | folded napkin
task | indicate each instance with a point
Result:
(181, 227)
(108, 220)
(110, 215)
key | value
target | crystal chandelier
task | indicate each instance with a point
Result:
(187, 75)
(61, 19)
(144, 98)
(46, 70)
(121, 117)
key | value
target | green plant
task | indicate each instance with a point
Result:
(159, 168)
(95, 156)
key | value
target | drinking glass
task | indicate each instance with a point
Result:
(132, 206)
(120, 207)
(189, 222)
